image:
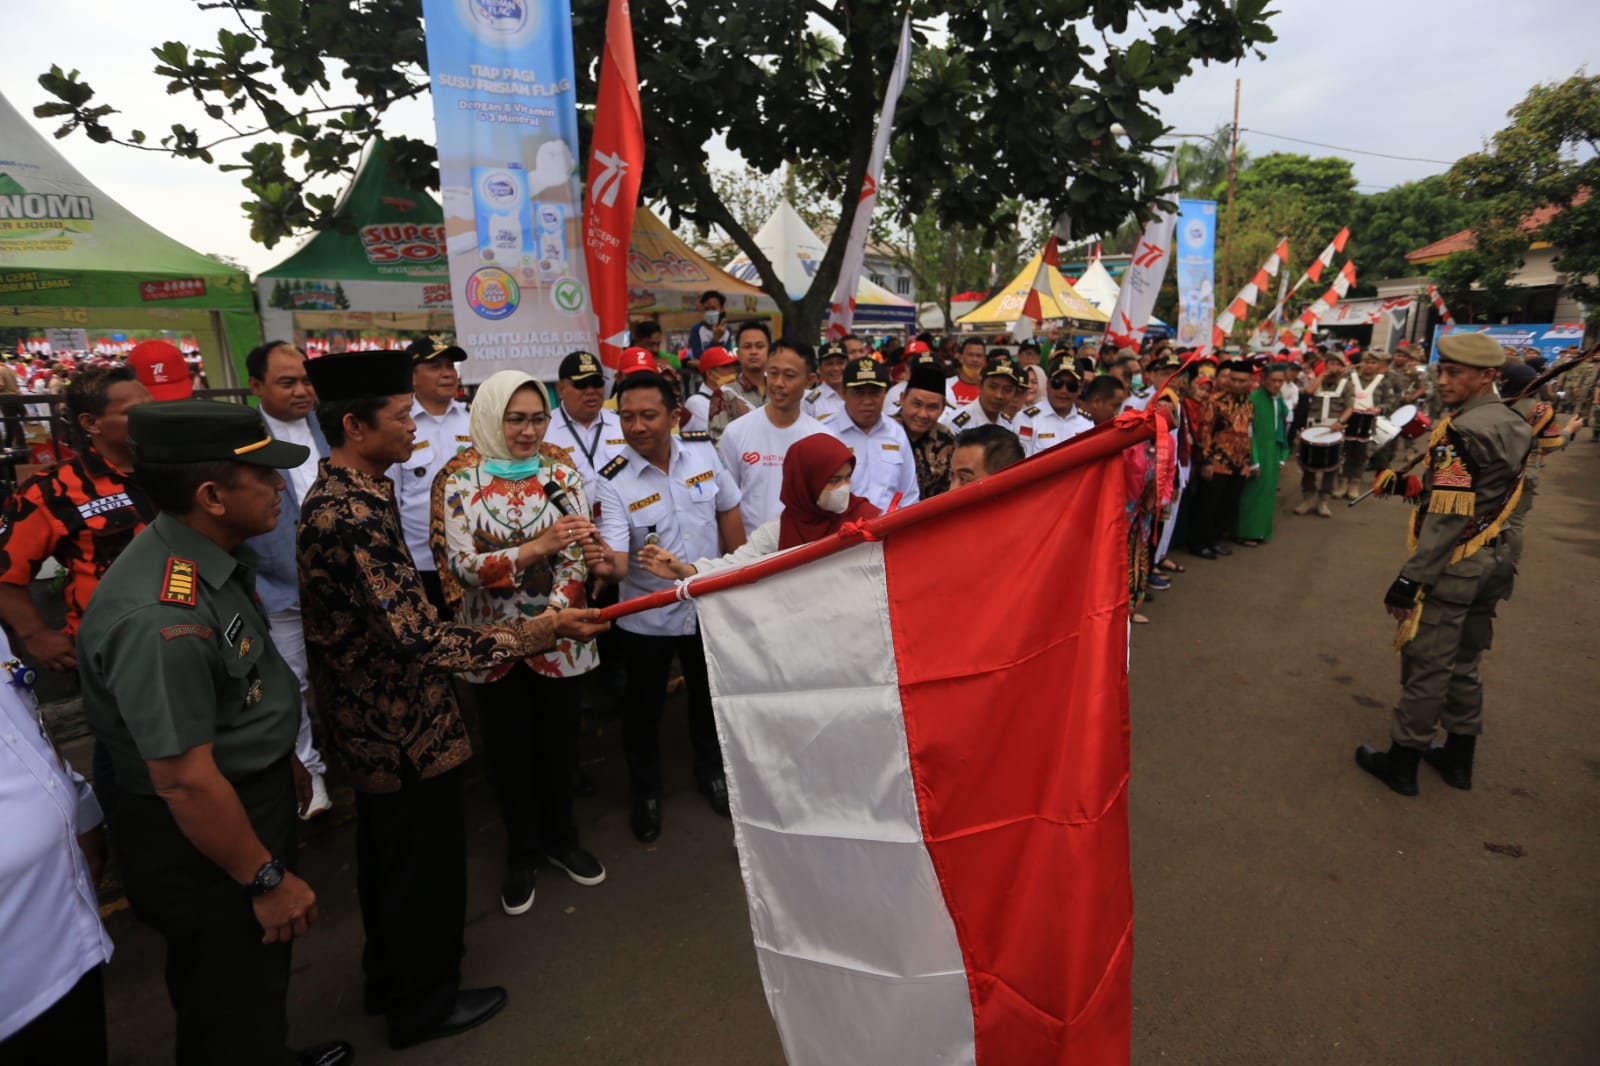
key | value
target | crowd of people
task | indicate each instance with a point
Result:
(335, 570)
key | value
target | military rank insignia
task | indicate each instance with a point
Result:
(256, 691)
(179, 585)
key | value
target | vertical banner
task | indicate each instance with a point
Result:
(616, 165)
(505, 109)
(1141, 282)
(842, 312)
(1197, 268)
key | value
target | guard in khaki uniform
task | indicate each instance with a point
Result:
(199, 713)
(1460, 568)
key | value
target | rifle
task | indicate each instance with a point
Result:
(1533, 387)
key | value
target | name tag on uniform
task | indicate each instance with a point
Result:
(419, 445)
(891, 447)
(619, 440)
(698, 478)
(639, 505)
(1046, 436)
(463, 440)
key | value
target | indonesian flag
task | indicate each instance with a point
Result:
(1141, 282)
(616, 164)
(933, 831)
(842, 312)
(1032, 307)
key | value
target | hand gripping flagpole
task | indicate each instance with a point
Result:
(1091, 447)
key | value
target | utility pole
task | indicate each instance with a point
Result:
(1233, 172)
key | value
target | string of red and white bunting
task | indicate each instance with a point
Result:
(1313, 272)
(1438, 304)
(1336, 292)
(1240, 305)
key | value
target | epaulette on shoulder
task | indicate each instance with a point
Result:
(694, 435)
(1030, 412)
(181, 583)
(813, 396)
(614, 467)
(962, 419)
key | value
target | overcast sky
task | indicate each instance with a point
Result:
(1421, 78)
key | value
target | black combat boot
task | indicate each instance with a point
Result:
(1396, 767)
(1454, 760)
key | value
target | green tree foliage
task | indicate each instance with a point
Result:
(1535, 180)
(1284, 195)
(1018, 109)
(1386, 225)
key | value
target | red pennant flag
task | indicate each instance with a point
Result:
(1052, 252)
(1338, 241)
(616, 164)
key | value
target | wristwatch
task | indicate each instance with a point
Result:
(269, 877)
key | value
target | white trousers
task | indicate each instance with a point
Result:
(289, 637)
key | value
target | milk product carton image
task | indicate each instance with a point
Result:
(504, 215)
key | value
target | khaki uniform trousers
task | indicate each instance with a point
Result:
(1440, 684)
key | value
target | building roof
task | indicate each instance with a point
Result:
(1461, 242)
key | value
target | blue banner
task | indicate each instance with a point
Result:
(505, 108)
(1550, 339)
(1196, 256)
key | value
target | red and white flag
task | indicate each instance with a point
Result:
(616, 165)
(1336, 292)
(842, 312)
(1240, 305)
(933, 833)
(1141, 282)
(1032, 305)
(1313, 272)
(1438, 304)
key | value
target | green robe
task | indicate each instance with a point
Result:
(1269, 449)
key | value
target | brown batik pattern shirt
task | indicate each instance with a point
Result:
(1224, 432)
(380, 658)
(932, 454)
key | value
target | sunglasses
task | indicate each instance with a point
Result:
(1064, 382)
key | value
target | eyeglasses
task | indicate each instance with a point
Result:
(518, 421)
(1064, 382)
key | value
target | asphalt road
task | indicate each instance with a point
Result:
(1289, 909)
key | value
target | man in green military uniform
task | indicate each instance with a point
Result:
(1459, 570)
(199, 712)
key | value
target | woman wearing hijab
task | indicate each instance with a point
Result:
(816, 500)
(516, 555)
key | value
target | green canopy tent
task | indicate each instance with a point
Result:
(383, 269)
(71, 257)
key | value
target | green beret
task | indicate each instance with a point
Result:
(1472, 349)
(203, 431)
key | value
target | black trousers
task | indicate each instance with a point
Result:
(72, 1030)
(227, 987)
(411, 878)
(530, 737)
(648, 661)
(1216, 508)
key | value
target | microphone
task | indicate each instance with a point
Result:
(562, 502)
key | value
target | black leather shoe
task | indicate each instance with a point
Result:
(646, 819)
(1454, 760)
(1203, 553)
(473, 1007)
(716, 793)
(1221, 549)
(335, 1054)
(1396, 767)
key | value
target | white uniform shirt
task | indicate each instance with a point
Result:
(49, 916)
(679, 505)
(591, 446)
(438, 439)
(884, 463)
(699, 407)
(970, 415)
(897, 392)
(752, 449)
(1040, 428)
(822, 404)
(297, 432)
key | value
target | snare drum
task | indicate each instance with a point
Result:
(1321, 448)
(1419, 426)
(1361, 426)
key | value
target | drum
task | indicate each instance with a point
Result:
(1321, 448)
(1361, 425)
(1419, 426)
(1386, 430)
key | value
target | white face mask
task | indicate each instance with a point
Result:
(835, 501)
(713, 317)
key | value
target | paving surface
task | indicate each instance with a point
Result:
(1289, 909)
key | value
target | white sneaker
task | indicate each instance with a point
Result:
(319, 799)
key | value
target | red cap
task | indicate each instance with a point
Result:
(716, 356)
(637, 359)
(917, 347)
(161, 369)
